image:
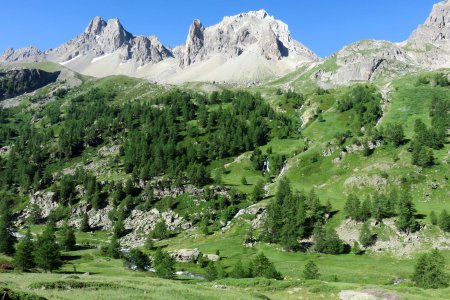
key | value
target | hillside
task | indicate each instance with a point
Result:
(129, 154)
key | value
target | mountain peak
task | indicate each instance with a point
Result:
(96, 26)
(260, 14)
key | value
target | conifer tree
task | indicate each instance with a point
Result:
(258, 192)
(211, 271)
(68, 241)
(262, 267)
(238, 270)
(164, 264)
(405, 221)
(365, 211)
(429, 271)
(23, 258)
(311, 271)
(113, 249)
(444, 221)
(365, 236)
(7, 239)
(433, 218)
(84, 226)
(47, 253)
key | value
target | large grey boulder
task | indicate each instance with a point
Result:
(185, 255)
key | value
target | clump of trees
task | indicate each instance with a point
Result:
(260, 266)
(381, 206)
(366, 102)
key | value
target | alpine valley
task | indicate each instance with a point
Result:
(239, 165)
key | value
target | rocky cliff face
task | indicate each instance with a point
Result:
(430, 42)
(17, 82)
(254, 31)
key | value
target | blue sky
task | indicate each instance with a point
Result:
(324, 26)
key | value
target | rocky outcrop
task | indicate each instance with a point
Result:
(17, 82)
(44, 201)
(140, 223)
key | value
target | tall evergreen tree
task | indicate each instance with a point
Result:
(433, 218)
(406, 221)
(444, 221)
(258, 191)
(366, 236)
(7, 239)
(47, 253)
(84, 227)
(23, 258)
(68, 240)
(164, 264)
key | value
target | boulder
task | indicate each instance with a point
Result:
(185, 255)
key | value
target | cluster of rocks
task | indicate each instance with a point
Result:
(371, 145)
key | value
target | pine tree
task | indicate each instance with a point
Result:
(138, 259)
(262, 267)
(356, 249)
(160, 231)
(365, 211)
(429, 271)
(23, 258)
(47, 253)
(164, 264)
(238, 270)
(149, 243)
(365, 236)
(444, 221)
(84, 226)
(352, 207)
(119, 226)
(311, 271)
(7, 239)
(258, 192)
(433, 218)
(211, 271)
(113, 249)
(244, 180)
(405, 221)
(68, 241)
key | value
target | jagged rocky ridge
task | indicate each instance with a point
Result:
(213, 53)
